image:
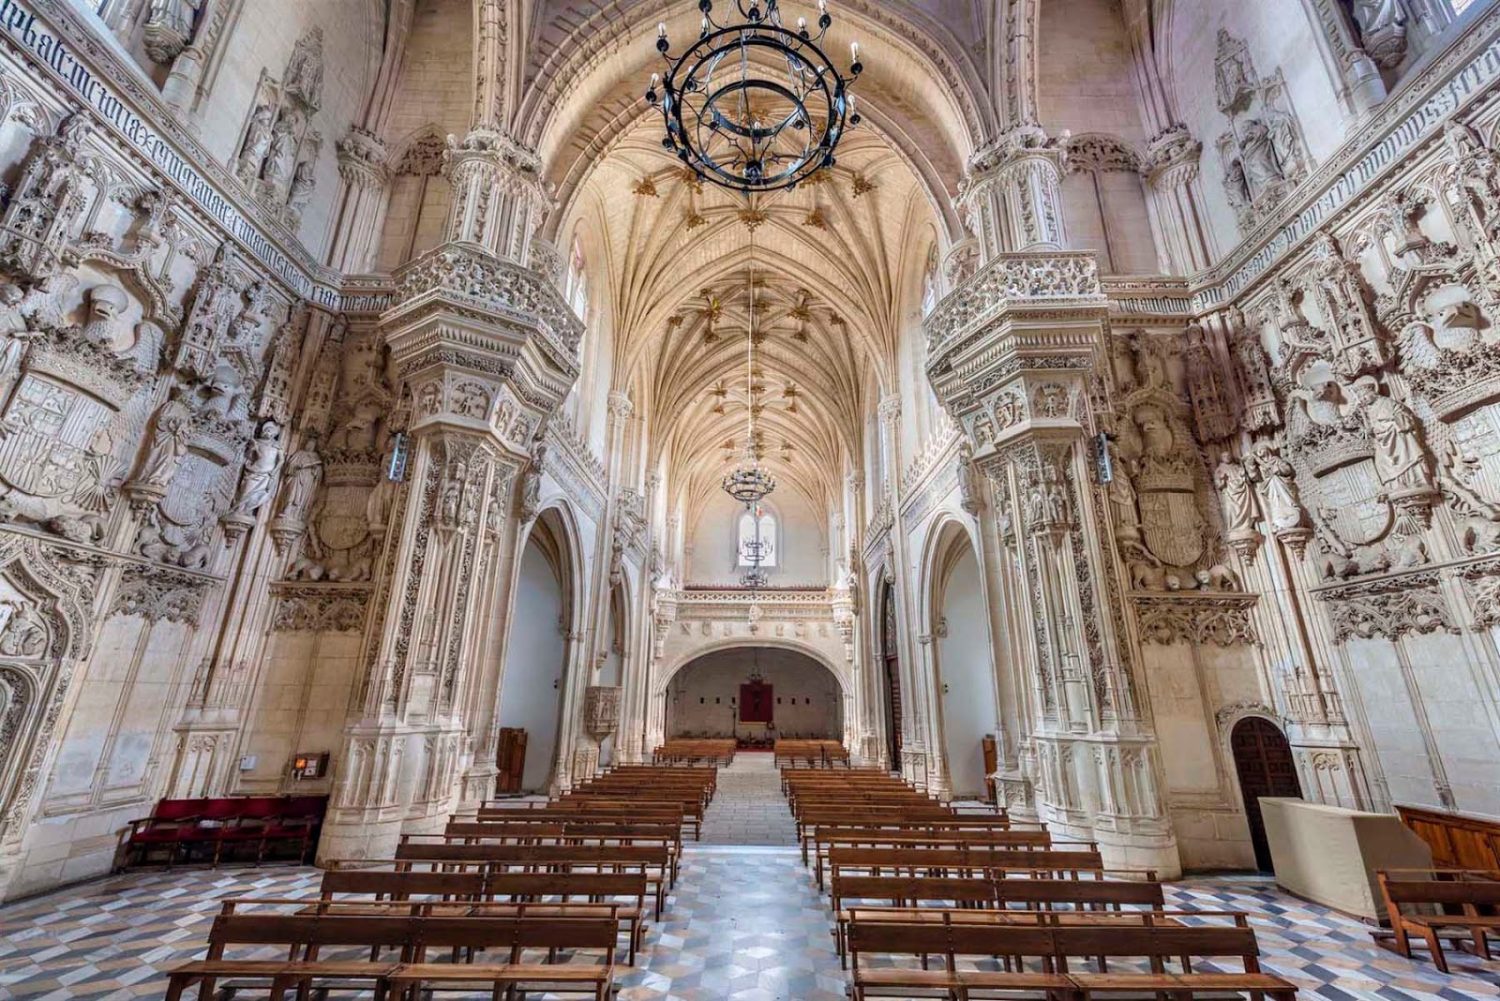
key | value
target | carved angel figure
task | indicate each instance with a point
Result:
(24, 634)
(261, 467)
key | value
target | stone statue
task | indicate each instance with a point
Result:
(1277, 478)
(1235, 496)
(1382, 30)
(282, 152)
(257, 142)
(16, 336)
(303, 183)
(1236, 186)
(1401, 460)
(1263, 169)
(23, 634)
(169, 443)
(259, 478)
(304, 474)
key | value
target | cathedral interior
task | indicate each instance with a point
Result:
(395, 421)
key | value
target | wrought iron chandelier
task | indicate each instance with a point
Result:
(755, 106)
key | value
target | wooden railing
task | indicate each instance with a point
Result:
(1457, 841)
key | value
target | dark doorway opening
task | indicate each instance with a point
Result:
(1263, 760)
(891, 658)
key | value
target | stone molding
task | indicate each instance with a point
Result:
(1202, 619)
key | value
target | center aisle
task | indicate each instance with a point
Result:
(745, 922)
(749, 808)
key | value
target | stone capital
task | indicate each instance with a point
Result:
(362, 159)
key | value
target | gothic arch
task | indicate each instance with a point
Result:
(682, 660)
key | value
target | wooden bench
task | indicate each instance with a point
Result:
(827, 839)
(411, 935)
(653, 861)
(826, 753)
(1038, 863)
(1052, 943)
(716, 751)
(1450, 902)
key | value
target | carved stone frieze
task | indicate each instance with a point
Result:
(319, 608)
(1198, 618)
(159, 594)
(1391, 609)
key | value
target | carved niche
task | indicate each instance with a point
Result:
(1262, 153)
(277, 156)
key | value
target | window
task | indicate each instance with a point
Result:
(762, 522)
(578, 282)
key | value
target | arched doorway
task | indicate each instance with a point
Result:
(532, 687)
(1264, 763)
(755, 695)
(890, 659)
(965, 667)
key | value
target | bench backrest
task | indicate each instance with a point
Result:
(534, 854)
(402, 885)
(902, 888)
(1479, 892)
(1096, 892)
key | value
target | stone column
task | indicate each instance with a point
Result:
(362, 166)
(1011, 196)
(1014, 356)
(1170, 169)
(485, 350)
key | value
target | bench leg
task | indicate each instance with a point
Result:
(1435, 946)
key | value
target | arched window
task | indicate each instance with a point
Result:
(578, 282)
(757, 518)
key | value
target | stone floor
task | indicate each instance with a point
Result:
(749, 808)
(745, 923)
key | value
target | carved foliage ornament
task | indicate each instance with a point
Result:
(1389, 610)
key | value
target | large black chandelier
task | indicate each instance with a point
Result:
(755, 106)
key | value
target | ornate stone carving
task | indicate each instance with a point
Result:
(319, 608)
(601, 710)
(1202, 619)
(157, 595)
(1263, 154)
(1389, 609)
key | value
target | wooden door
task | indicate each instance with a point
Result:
(1263, 760)
(892, 661)
(991, 751)
(510, 760)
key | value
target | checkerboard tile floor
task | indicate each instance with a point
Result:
(744, 924)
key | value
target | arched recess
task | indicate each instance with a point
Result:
(535, 679)
(610, 669)
(956, 615)
(796, 695)
(1265, 766)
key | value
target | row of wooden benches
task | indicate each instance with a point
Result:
(695, 751)
(913, 877)
(568, 880)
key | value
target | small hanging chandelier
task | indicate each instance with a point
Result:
(748, 483)
(755, 106)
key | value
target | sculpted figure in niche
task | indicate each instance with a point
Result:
(1401, 461)
(1235, 496)
(170, 438)
(260, 470)
(1277, 478)
(1263, 168)
(1478, 175)
(1236, 186)
(283, 150)
(303, 183)
(304, 473)
(15, 337)
(257, 143)
(23, 633)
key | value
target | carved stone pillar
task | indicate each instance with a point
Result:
(498, 197)
(1012, 195)
(1170, 169)
(889, 412)
(1013, 356)
(362, 165)
(486, 350)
